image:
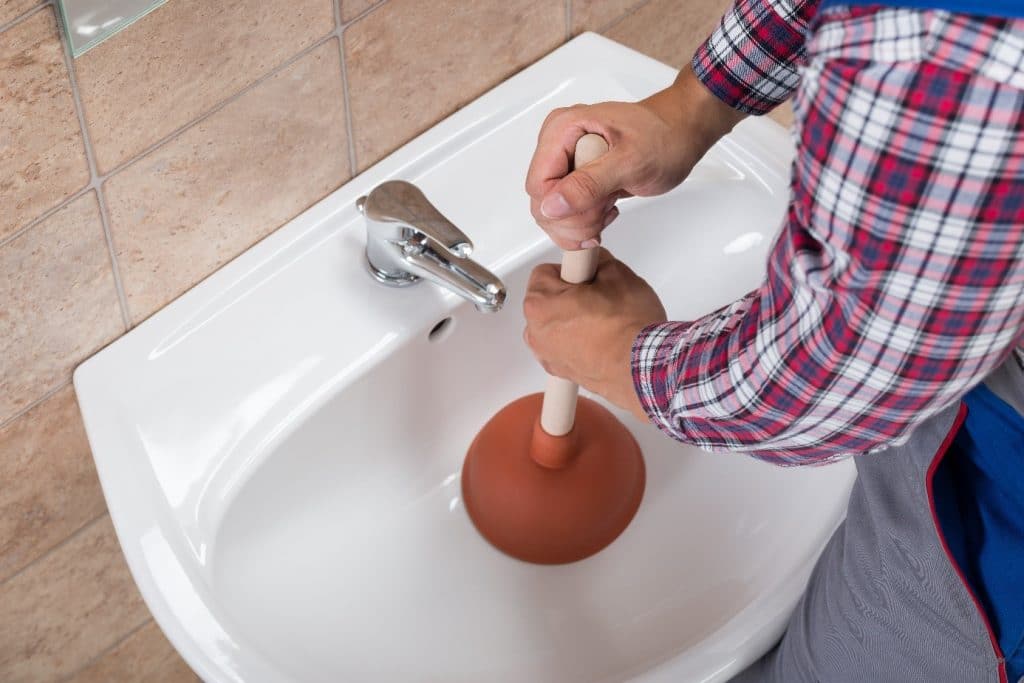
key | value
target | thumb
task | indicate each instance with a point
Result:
(584, 189)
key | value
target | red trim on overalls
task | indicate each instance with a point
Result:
(939, 455)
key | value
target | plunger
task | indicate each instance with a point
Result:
(553, 478)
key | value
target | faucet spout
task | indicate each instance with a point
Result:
(463, 276)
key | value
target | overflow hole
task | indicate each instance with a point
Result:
(441, 330)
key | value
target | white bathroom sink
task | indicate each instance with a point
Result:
(280, 447)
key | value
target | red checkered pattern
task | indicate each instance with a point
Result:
(897, 280)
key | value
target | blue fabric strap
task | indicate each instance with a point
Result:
(979, 497)
(984, 8)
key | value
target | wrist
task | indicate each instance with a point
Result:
(692, 111)
(618, 386)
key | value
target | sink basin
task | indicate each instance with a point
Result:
(280, 447)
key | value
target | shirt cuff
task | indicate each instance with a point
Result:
(653, 382)
(750, 61)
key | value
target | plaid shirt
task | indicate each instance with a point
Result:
(897, 280)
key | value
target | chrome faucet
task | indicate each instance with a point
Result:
(407, 239)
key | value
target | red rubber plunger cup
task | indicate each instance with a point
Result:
(553, 478)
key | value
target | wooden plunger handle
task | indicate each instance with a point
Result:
(559, 410)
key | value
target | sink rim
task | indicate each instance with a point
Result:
(153, 550)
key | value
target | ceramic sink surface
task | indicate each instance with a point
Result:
(280, 447)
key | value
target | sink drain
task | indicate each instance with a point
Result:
(441, 330)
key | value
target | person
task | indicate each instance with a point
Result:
(886, 327)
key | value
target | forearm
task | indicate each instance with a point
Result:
(807, 369)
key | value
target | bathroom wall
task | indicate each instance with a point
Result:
(131, 173)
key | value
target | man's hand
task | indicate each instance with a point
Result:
(585, 332)
(653, 145)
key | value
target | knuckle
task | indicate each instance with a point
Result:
(532, 283)
(530, 309)
(554, 115)
(592, 219)
(535, 207)
(560, 114)
(585, 185)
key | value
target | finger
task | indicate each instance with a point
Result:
(574, 231)
(585, 188)
(606, 220)
(545, 280)
(569, 233)
(552, 158)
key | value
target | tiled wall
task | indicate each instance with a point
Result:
(128, 175)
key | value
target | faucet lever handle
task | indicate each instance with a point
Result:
(401, 202)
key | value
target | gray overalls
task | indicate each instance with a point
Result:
(885, 603)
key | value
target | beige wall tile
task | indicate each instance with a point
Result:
(12, 9)
(143, 656)
(57, 303)
(181, 61)
(42, 157)
(595, 15)
(188, 207)
(411, 63)
(49, 487)
(350, 9)
(62, 611)
(669, 30)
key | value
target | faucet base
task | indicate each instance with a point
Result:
(391, 278)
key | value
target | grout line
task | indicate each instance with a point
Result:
(369, 10)
(96, 181)
(619, 19)
(122, 296)
(54, 548)
(568, 19)
(17, 20)
(107, 650)
(347, 103)
(78, 194)
(45, 397)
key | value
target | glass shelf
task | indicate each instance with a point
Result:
(90, 22)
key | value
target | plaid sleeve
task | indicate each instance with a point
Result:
(749, 62)
(897, 281)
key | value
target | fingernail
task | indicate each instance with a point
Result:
(589, 244)
(555, 206)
